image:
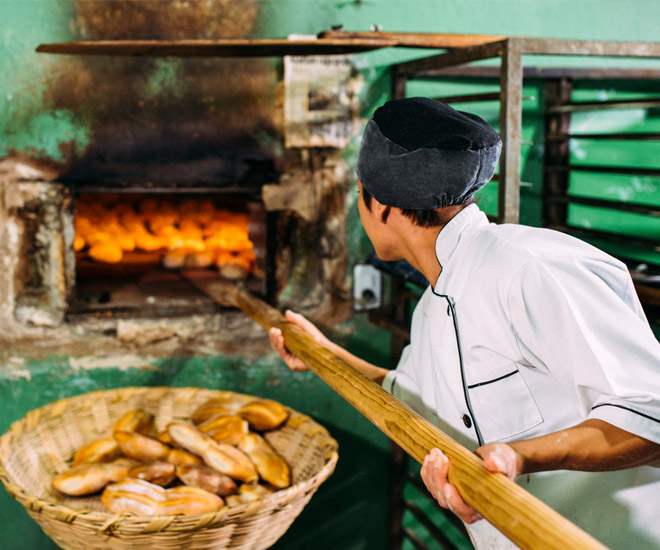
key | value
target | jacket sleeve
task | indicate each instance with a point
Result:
(402, 384)
(581, 323)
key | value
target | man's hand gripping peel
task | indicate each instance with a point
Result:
(497, 457)
(277, 340)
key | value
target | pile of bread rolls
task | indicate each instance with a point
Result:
(218, 458)
(189, 233)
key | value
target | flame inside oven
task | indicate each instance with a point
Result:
(174, 233)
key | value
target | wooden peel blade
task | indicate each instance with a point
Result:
(523, 518)
(416, 39)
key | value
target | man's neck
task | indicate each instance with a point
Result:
(419, 245)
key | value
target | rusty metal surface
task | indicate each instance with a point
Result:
(624, 136)
(214, 48)
(606, 105)
(399, 82)
(469, 98)
(636, 208)
(629, 170)
(582, 73)
(510, 131)
(555, 183)
(607, 236)
(453, 57)
(554, 46)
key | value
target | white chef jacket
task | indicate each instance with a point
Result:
(528, 331)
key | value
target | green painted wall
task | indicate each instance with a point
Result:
(33, 124)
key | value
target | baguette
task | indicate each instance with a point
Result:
(225, 429)
(135, 420)
(164, 437)
(206, 478)
(179, 457)
(89, 478)
(263, 414)
(158, 472)
(142, 498)
(214, 407)
(248, 492)
(224, 458)
(141, 447)
(271, 467)
(100, 450)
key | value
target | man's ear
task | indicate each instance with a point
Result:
(382, 212)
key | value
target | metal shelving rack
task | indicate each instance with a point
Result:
(455, 63)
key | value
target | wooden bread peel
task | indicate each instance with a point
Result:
(523, 518)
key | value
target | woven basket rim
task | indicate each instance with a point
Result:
(177, 523)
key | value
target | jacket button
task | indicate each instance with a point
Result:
(467, 421)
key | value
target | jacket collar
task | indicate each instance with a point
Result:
(463, 224)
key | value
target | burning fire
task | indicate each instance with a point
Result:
(189, 233)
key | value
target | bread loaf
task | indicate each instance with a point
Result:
(271, 467)
(206, 478)
(263, 414)
(224, 458)
(180, 457)
(215, 407)
(141, 447)
(140, 497)
(104, 449)
(158, 472)
(248, 492)
(89, 478)
(135, 420)
(225, 429)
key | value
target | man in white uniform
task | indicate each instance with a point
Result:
(529, 345)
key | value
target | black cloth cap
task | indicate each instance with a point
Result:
(419, 153)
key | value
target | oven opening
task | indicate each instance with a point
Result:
(131, 248)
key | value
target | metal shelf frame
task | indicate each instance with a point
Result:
(510, 51)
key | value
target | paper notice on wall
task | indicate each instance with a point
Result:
(317, 101)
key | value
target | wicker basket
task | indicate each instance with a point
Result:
(41, 444)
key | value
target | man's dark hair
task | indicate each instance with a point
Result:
(435, 217)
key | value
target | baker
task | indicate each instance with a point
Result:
(529, 345)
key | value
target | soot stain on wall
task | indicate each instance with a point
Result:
(166, 108)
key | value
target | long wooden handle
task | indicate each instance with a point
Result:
(528, 522)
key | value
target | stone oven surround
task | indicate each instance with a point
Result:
(38, 261)
(159, 122)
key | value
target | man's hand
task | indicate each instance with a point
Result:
(497, 457)
(277, 340)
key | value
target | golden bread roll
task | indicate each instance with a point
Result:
(179, 457)
(198, 259)
(271, 467)
(224, 458)
(107, 252)
(159, 472)
(248, 492)
(78, 243)
(263, 414)
(206, 478)
(88, 478)
(135, 420)
(104, 449)
(215, 407)
(164, 437)
(225, 428)
(140, 446)
(142, 498)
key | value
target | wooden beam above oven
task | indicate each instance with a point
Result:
(217, 48)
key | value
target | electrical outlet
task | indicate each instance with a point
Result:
(367, 287)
